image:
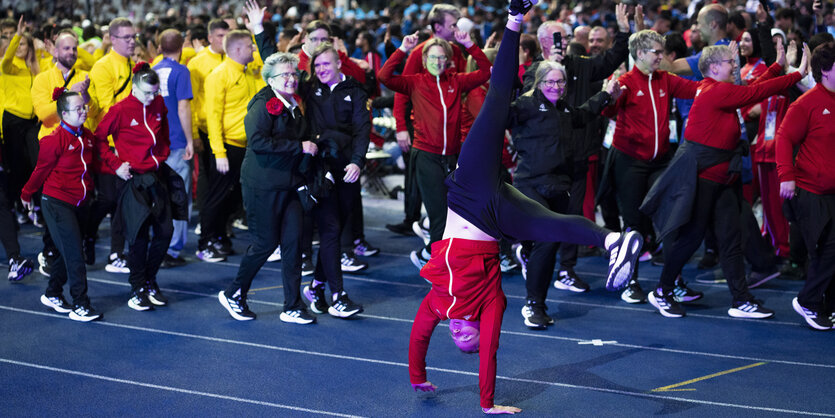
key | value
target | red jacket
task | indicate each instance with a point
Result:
(713, 120)
(64, 164)
(414, 65)
(140, 134)
(642, 130)
(348, 66)
(764, 151)
(436, 100)
(809, 127)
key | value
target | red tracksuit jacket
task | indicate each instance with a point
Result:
(436, 100)
(64, 164)
(140, 134)
(643, 111)
(809, 125)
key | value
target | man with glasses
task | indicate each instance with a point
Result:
(228, 90)
(110, 80)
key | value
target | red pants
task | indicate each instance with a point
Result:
(775, 224)
(466, 284)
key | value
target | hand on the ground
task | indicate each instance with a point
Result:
(501, 409)
(352, 173)
(426, 386)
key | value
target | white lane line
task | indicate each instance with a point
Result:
(524, 334)
(172, 389)
(438, 369)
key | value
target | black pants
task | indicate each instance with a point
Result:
(608, 202)
(20, 152)
(273, 216)
(430, 172)
(108, 190)
(222, 195)
(574, 206)
(720, 205)
(818, 293)
(479, 178)
(65, 221)
(543, 254)
(204, 161)
(354, 225)
(8, 224)
(147, 251)
(412, 200)
(332, 215)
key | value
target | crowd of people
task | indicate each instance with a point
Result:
(516, 129)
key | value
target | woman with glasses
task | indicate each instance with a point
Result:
(641, 144)
(63, 170)
(139, 127)
(541, 123)
(436, 97)
(277, 136)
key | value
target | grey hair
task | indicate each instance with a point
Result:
(712, 55)
(274, 60)
(644, 40)
(544, 68)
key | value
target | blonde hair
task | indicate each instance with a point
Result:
(712, 55)
(544, 68)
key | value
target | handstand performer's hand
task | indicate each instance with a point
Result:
(424, 387)
(500, 409)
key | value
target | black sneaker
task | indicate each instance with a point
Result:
(351, 264)
(658, 258)
(633, 293)
(139, 300)
(89, 247)
(344, 307)
(84, 313)
(750, 309)
(623, 255)
(223, 246)
(507, 263)
(708, 261)
(307, 265)
(57, 303)
(418, 258)
(363, 249)
(117, 263)
(756, 279)
(236, 306)
(169, 262)
(814, 319)
(297, 316)
(666, 304)
(19, 267)
(684, 294)
(316, 296)
(535, 315)
(45, 263)
(714, 276)
(522, 258)
(155, 295)
(403, 228)
(568, 280)
(210, 255)
(793, 271)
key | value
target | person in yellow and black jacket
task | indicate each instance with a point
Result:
(228, 89)
(62, 74)
(20, 144)
(110, 82)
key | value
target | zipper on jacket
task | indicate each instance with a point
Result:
(654, 116)
(154, 137)
(443, 105)
(83, 186)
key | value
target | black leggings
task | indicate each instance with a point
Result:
(477, 192)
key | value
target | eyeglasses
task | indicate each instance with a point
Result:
(437, 58)
(148, 93)
(287, 76)
(655, 51)
(126, 37)
(729, 61)
(79, 110)
(552, 83)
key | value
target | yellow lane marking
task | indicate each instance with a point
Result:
(265, 288)
(672, 388)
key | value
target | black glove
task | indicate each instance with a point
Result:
(518, 7)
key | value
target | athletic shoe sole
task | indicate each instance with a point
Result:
(45, 300)
(206, 259)
(156, 301)
(799, 309)
(353, 268)
(76, 317)
(293, 320)
(763, 280)
(654, 302)
(136, 307)
(562, 286)
(343, 315)
(308, 294)
(221, 297)
(531, 325)
(629, 299)
(736, 313)
(617, 278)
(113, 269)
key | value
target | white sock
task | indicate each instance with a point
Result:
(611, 239)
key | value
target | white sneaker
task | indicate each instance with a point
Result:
(275, 256)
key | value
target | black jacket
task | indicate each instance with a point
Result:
(583, 72)
(671, 199)
(274, 145)
(160, 194)
(542, 133)
(341, 116)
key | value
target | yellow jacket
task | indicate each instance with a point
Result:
(107, 76)
(199, 67)
(228, 89)
(42, 88)
(18, 83)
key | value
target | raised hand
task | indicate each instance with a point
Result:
(804, 60)
(463, 38)
(622, 18)
(762, 14)
(782, 56)
(409, 42)
(81, 86)
(639, 18)
(254, 16)
(21, 27)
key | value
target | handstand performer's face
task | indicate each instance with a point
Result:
(553, 85)
(465, 334)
